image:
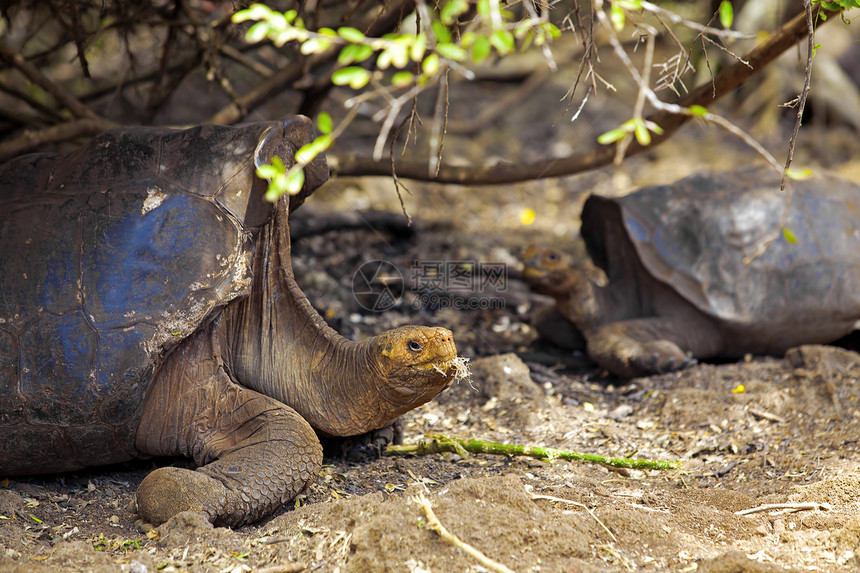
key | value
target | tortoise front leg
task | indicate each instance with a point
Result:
(256, 453)
(551, 325)
(654, 345)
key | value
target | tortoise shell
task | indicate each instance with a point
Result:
(718, 240)
(112, 255)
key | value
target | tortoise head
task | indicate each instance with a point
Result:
(577, 288)
(414, 364)
(547, 270)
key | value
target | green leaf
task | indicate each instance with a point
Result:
(257, 32)
(419, 47)
(616, 16)
(698, 111)
(353, 76)
(798, 174)
(354, 53)
(254, 12)
(612, 136)
(295, 180)
(430, 65)
(789, 236)
(324, 123)
(315, 46)
(481, 49)
(453, 9)
(552, 30)
(346, 55)
(267, 172)
(399, 53)
(443, 36)
(272, 170)
(503, 41)
(288, 35)
(727, 14)
(309, 151)
(402, 80)
(641, 133)
(522, 29)
(653, 127)
(384, 60)
(351, 35)
(452, 52)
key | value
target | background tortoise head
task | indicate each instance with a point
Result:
(547, 270)
(573, 283)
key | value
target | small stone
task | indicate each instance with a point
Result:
(621, 412)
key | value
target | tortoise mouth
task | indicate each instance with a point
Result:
(540, 280)
(420, 382)
(531, 273)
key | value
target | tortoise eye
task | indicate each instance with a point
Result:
(414, 346)
(552, 256)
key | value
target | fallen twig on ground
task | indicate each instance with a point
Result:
(786, 507)
(536, 496)
(434, 524)
(438, 443)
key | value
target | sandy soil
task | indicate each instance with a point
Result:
(765, 430)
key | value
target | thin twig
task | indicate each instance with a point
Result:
(676, 19)
(440, 124)
(497, 108)
(810, 46)
(62, 132)
(434, 524)
(786, 507)
(536, 496)
(79, 41)
(644, 87)
(232, 53)
(16, 60)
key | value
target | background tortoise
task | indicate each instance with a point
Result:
(685, 279)
(149, 308)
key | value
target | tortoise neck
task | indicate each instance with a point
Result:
(585, 300)
(277, 344)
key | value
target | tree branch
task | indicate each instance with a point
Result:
(16, 60)
(31, 140)
(724, 82)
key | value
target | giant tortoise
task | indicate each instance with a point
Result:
(148, 307)
(720, 264)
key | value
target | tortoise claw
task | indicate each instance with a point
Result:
(668, 366)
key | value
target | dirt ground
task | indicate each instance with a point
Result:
(764, 430)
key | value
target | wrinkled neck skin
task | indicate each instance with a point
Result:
(274, 342)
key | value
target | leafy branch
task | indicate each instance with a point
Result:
(447, 44)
